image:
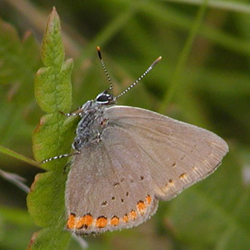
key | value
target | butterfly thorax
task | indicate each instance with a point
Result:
(92, 122)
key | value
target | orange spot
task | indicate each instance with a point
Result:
(125, 218)
(84, 221)
(148, 199)
(141, 207)
(133, 214)
(114, 221)
(182, 175)
(71, 221)
(101, 222)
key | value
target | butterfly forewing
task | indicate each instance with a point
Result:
(177, 154)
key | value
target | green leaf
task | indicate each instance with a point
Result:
(49, 238)
(49, 139)
(52, 84)
(53, 88)
(54, 94)
(52, 47)
(46, 199)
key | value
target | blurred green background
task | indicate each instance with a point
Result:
(203, 79)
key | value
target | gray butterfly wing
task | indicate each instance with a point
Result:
(177, 154)
(107, 187)
(141, 157)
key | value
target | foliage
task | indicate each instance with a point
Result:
(203, 79)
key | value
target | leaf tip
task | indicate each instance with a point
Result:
(32, 240)
(54, 12)
(53, 17)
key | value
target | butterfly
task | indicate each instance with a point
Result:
(126, 159)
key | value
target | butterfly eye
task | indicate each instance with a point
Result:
(105, 98)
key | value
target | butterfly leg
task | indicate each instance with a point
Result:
(77, 112)
(59, 157)
(80, 111)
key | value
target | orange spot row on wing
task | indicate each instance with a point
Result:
(77, 223)
(101, 222)
(87, 220)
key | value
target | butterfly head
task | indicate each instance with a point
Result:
(105, 98)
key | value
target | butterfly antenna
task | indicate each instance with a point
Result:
(105, 69)
(140, 78)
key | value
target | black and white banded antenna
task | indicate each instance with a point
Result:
(140, 78)
(105, 69)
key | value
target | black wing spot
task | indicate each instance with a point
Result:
(104, 203)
